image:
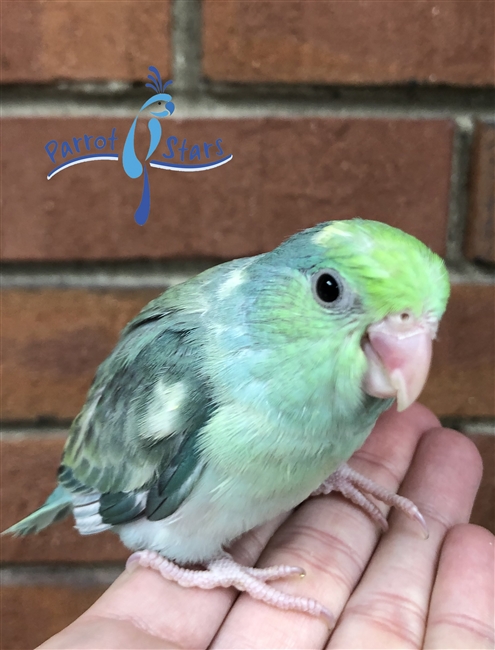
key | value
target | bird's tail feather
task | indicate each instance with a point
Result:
(56, 507)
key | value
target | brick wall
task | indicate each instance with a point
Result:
(332, 110)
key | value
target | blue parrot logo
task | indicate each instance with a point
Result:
(163, 107)
(203, 156)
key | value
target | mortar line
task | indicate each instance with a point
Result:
(186, 45)
(217, 111)
(194, 99)
(458, 199)
(189, 18)
(470, 426)
(59, 574)
(12, 432)
(100, 275)
(404, 92)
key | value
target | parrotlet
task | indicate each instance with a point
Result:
(239, 393)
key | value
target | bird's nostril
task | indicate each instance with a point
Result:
(405, 316)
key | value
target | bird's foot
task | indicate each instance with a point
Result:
(225, 572)
(356, 488)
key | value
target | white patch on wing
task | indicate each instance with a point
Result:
(86, 514)
(141, 498)
(234, 279)
(164, 410)
(91, 525)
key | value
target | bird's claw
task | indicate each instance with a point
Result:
(225, 572)
(356, 487)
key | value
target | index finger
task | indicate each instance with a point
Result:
(462, 607)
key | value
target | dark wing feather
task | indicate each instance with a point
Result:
(111, 449)
(175, 481)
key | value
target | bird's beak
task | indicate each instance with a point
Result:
(398, 351)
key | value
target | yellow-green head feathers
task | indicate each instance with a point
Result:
(395, 270)
(385, 269)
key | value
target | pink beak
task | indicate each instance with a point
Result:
(398, 350)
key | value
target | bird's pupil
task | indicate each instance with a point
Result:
(327, 288)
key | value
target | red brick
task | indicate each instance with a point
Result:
(484, 506)
(91, 40)
(480, 241)
(364, 42)
(462, 378)
(286, 174)
(31, 614)
(53, 341)
(29, 469)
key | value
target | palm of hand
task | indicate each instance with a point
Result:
(388, 591)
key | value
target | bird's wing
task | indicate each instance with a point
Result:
(132, 449)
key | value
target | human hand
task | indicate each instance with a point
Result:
(395, 590)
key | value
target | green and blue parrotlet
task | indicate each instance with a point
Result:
(236, 395)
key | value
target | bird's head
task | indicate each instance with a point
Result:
(368, 294)
(160, 105)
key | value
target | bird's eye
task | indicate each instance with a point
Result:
(327, 287)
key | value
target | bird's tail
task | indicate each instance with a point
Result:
(56, 507)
